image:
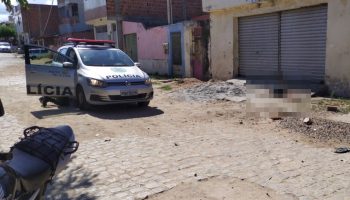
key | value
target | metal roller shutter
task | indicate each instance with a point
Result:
(303, 43)
(258, 45)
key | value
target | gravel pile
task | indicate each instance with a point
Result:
(321, 129)
(232, 90)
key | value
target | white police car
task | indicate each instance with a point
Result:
(89, 71)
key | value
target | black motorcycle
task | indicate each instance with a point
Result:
(34, 161)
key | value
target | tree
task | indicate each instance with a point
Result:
(7, 32)
(23, 3)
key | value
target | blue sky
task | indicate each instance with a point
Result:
(4, 14)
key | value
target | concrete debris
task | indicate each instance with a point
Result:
(307, 121)
(232, 90)
(321, 129)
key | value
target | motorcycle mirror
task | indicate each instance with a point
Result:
(2, 111)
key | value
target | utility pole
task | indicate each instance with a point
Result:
(119, 25)
(170, 11)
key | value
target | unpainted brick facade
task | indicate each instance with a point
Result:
(155, 11)
(40, 20)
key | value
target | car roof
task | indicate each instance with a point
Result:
(88, 43)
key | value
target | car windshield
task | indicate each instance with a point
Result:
(105, 57)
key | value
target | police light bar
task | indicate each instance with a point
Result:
(77, 41)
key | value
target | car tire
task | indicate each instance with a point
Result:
(81, 100)
(143, 104)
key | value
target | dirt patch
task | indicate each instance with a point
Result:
(321, 129)
(218, 189)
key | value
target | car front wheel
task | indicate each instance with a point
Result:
(81, 100)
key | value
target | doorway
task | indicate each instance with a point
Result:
(176, 56)
(130, 46)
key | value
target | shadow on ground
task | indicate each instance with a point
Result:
(124, 111)
(74, 183)
(55, 111)
(110, 112)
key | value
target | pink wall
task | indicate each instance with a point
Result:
(150, 41)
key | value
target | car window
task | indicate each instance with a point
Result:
(47, 58)
(104, 57)
(63, 51)
(73, 56)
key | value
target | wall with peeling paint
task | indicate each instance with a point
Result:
(224, 36)
(185, 28)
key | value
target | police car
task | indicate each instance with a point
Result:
(92, 72)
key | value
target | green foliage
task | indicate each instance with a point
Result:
(166, 87)
(23, 3)
(7, 31)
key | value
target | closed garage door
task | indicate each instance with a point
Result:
(292, 42)
(303, 43)
(258, 45)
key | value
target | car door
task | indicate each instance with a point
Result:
(49, 73)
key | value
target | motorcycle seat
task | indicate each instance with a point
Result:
(39, 155)
(32, 171)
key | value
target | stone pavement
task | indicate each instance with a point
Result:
(133, 167)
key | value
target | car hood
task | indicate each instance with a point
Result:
(115, 73)
(5, 47)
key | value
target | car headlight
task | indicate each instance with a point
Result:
(148, 81)
(96, 83)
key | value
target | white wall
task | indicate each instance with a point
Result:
(210, 5)
(154, 66)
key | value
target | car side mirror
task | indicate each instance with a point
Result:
(68, 65)
(2, 110)
(137, 64)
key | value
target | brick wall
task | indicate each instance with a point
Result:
(158, 8)
(146, 11)
(110, 8)
(37, 16)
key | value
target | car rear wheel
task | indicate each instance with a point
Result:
(81, 100)
(143, 104)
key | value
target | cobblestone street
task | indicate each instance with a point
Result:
(124, 156)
